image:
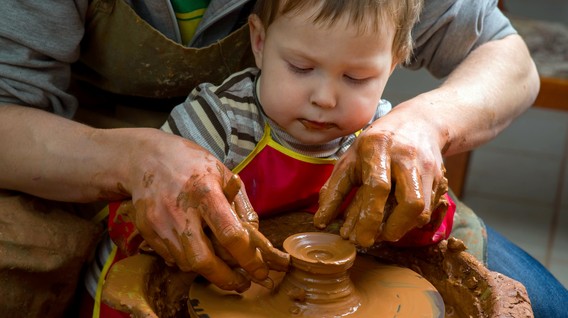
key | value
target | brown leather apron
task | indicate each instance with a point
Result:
(126, 61)
(43, 248)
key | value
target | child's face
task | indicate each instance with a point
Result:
(320, 82)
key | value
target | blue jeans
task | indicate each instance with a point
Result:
(548, 297)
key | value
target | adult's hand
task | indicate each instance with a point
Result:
(399, 153)
(275, 259)
(179, 192)
(176, 187)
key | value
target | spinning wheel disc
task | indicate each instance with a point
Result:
(378, 290)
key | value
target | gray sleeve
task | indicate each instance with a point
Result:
(38, 42)
(449, 30)
(202, 118)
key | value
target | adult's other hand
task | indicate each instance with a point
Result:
(178, 192)
(397, 153)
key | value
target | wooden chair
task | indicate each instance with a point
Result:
(548, 44)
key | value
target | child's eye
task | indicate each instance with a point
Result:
(298, 69)
(355, 80)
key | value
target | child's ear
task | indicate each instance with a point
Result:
(257, 35)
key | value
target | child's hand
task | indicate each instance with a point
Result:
(391, 155)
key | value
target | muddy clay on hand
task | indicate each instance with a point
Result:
(326, 279)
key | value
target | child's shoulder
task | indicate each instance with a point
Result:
(238, 87)
(241, 80)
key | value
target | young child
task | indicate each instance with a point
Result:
(322, 67)
(321, 72)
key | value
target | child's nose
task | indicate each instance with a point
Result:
(323, 96)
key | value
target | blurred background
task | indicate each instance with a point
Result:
(518, 183)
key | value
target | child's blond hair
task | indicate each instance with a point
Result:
(363, 13)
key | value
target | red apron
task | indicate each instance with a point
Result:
(278, 180)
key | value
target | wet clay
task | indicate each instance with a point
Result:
(326, 279)
(467, 287)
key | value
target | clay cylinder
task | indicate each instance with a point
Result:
(318, 282)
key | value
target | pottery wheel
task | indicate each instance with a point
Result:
(379, 290)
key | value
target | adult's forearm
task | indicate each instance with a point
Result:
(496, 83)
(56, 158)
